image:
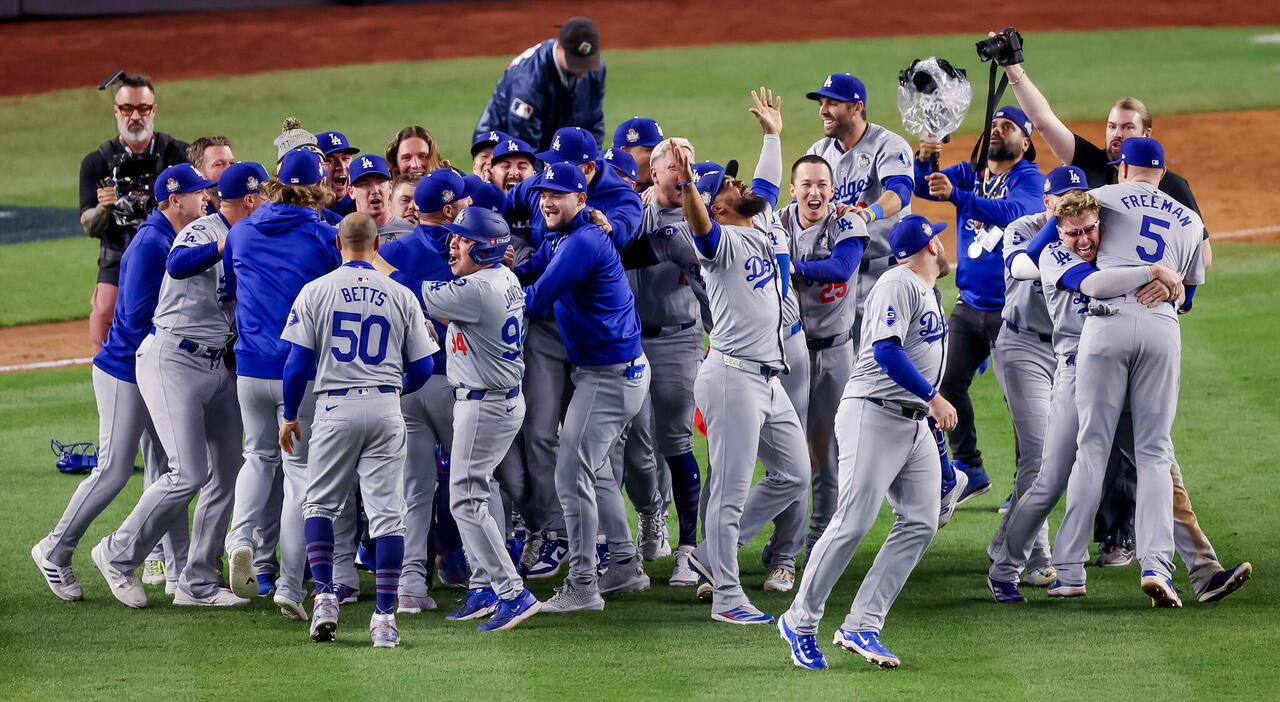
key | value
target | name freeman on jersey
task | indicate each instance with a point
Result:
(1157, 201)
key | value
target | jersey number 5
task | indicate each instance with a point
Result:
(832, 292)
(1157, 253)
(360, 337)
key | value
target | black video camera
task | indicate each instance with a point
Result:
(134, 177)
(1004, 48)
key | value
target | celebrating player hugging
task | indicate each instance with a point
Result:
(465, 383)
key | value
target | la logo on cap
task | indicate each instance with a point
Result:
(828, 83)
(511, 146)
(1074, 177)
(608, 155)
(335, 140)
(462, 217)
(493, 136)
(555, 144)
(551, 175)
(365, 162)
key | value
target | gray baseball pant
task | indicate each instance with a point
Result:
(483, 430)
(267, 532)
(747, 414)
(428, 421)
(344, 541)
(882, 454)
(546, 391)
(604, 401)
(195, 397)
(262, 411)
(789, 526)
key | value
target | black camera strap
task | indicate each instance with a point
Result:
(994, 93)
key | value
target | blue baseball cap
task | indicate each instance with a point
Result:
(182, 178)
(637, 131)
(730, 168)
(1063, 179)
(334, 142)
(622, 162)
(1141, 151)
(368, 164)
(912, 233)
(840, 86)
(301, 167)
(490, 197)
(511, 146)
(487, 139)
(241, 179)
(710, 178)
(481, 225)
(563, 178)
(1016, 116)
(570, 145)
(443, 186)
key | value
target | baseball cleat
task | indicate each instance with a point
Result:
(383, 631)
(125, 587)
(951, 497)
(574, 598)
(222, 598)
(701, 568)
(60, 579)
(979, 483)
(532, 548)
(240, 572)
(1004, 593)
(171, 587)
(324, 618)
(780, 580)
(866, 644)
(453, 568)
(479, 602)
(1115, 556)
(654, 540)
(602, 555)
(266, 584)
(291, 609)
(346, 594)
(1160, 589)
(681, 574)
(745, 613)
(1066, 590)
(1226, 582)
(153, 573)
(705, 592)
(804, 647)
(552, 553)
(1040, 577)
(624, 576)
(511, 612)
(1006, 505)
(413, 604)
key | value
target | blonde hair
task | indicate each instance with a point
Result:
(434, 159)
(1136, 105)
(660, 151)
(1075, 203)
(317, 196)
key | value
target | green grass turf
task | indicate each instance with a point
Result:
(47, 281)
(954, 642)
(698, 92)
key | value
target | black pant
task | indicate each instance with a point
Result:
(971, 335)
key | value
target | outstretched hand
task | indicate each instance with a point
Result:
(767, 109)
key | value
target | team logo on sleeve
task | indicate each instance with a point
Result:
(902, 158)
(890, 316)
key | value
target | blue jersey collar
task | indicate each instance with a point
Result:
(359, 264)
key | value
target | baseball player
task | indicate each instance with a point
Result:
(482, 151)
(738, 388)
(1065, 269)
(122, 414)
(371, 192)
(886, 450)
(638, 137)
(358, 332)
(579, 272)
(267, 259)
(338, 153)
(402, 204)
(423, 255)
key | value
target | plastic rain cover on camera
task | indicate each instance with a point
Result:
(936, 113)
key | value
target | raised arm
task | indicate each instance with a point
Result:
(1056, 134)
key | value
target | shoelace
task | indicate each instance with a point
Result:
(809, 646)
(67, 575)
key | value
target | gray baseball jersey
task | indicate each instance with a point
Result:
(859, 173)
(746, 296)
(769, 223)
(395, 227)
(195, 308)
(486, 327)
(1024, 303)
(664, 293)
(900, 306)
(363, 326)
(1066, 307)
(1141, 226)
(827, 309)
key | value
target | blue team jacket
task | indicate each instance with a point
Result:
(981, 280)
(268, 257)
(420, 255)
(141, 273)
(579, 273)
(531, 103)
(606, 192)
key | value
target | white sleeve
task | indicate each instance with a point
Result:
(1023, 268)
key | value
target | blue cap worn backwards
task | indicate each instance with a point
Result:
(562, 178)
(622, 162)
(710, 178)
(911, 234)
(368, 164)
(440, 187)
(241, 179)
(1016, 116)
(301, 167)
(637, 131)
(840, 86)
(182, 178)
(334, 142)
(570, 145)
(1141, 151)
(1063, 179)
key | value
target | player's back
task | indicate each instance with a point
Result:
(1142, 226)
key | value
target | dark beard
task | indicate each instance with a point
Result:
(1003, 152)
(751, 205)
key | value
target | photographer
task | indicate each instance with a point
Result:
(106, 210)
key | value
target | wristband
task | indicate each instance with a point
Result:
(683, 185)
(874, 212)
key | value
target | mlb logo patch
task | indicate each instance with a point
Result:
(890, 316)
(521, 109)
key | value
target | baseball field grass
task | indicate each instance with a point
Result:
(699, 92)
(954, 642)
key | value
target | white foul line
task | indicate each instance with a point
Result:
(46, 364)
(1243, 233)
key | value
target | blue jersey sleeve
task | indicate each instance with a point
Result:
(186, 261)
(1046, 236)
(709, 243)
(902, 186)
(417, 374)
(570, 265)
(766, 189)
(1024, 196)
(299, 367)
(893, 360)
(839, 267)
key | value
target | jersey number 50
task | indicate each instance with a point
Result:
(360, 342)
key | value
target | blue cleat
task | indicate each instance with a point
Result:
(1226, 582)
(453, 568)
(1160, 590)
(743, 614)
(804, 647)
(1005, 593)
(266, 584)
(701, 568)
(602, 557)
(511, 612)
(979, 483)
(479, 602)
(951, 492)
(1006, 505)
(551, 554)
(1065, 590)
(866, 644)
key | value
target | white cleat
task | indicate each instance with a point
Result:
(125, 587)
(780, 580)
(222, 598)
(291, 609)
(682, 575)
(705, 592)
(412, 604)
(153, 573)
(240, 572)
(1160, 590)
(383, 631)
(60, 579)
(654, 542)
(1040, 577)
(951, 498)
(324, 618)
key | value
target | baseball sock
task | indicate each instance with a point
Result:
(387, 576)
(686, 486)
(319, 534)
(948, 471)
